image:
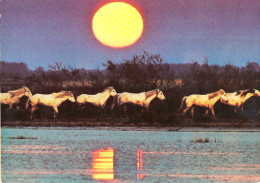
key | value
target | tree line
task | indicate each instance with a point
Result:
(140, 73)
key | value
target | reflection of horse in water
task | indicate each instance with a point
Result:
(238, 98)
(53, 100)
(13, 97)
(142, 99)
(99, 99)
(207, 101)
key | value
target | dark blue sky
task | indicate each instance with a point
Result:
(40, 32)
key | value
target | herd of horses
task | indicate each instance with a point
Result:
(143, 99)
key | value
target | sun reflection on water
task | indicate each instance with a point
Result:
(103, 164)
(139, 163)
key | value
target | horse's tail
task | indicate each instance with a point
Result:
(182, 103)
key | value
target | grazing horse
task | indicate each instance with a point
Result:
(53, 100)
(142, 99)
(13, 97)
(99, 99)
(238, 98)
(207, 101)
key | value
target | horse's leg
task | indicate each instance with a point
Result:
(33, 108)
(147, 109)
(206, 113)
(213, 113)
(101, 110)
(16, 105)
(124, 110)
(56, 111)
(82, 108)
(242, 108)
(119, 110)
(235, 109)
(192, 111)
(185, 110)
(125, 116)
(11, 105)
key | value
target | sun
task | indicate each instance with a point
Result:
(117, 25)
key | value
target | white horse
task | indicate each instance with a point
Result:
(142, 99)
(99, 99)
(207, 101)
(238, 98)
(53, 100)
(13, 97)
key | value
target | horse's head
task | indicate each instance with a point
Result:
(112, 91)
(27, 92)
(160, 94)
(71, 96)
(251, 92)
(224, 98)
(256, 92)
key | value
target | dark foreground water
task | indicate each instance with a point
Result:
(86, 155)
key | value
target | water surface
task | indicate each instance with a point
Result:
(87, 155)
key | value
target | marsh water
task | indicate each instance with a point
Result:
(89, 155)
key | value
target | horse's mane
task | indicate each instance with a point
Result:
(61, 94)
(109, 89)
(19, 91)
(215, 94)
(238, 92)
(151, 93)
(247, 91)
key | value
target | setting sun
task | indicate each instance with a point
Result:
(117, 25)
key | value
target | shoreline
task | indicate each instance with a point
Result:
(148, 129)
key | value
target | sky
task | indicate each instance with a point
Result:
(42, 32)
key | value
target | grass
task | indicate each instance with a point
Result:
(22, 137)
(218, 141)
(206, 140)
(200, 140)
(179, 140)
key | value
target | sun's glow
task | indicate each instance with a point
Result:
(117, 25)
